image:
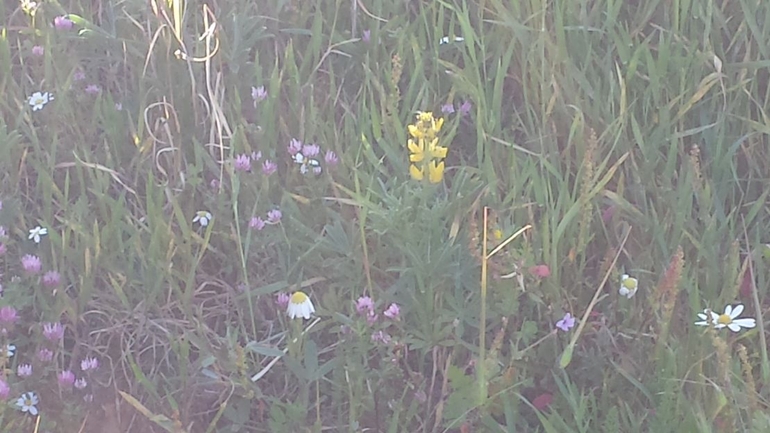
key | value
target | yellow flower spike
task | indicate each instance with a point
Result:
(417, 173)
(435, 172)
(418, 151)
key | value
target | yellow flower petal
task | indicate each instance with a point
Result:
(424, 116)
(437, 125)
(418, 151)
(435, 172)
(437, 151)
(416, 173)
(415, 132)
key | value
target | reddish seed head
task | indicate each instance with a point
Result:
(542, 401)
(540, 271)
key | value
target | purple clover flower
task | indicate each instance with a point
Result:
(242, 163)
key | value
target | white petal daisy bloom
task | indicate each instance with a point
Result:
(35, 233)
(728, 319)
(202, 217)
(628, 286)
(300, 306)
(38, 100)
(28, 403)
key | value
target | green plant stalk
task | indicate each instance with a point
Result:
(566, 357)
(483, 319)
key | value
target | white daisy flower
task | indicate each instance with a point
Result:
(728, 319)
(28, 403)
(202, 217)
(307, 163)
(38, 100)
(35, 233)
(628, 286)
(445, 40)
(300, 306)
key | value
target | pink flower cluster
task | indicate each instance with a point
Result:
(273, 217)
(365, 308)
(243, 163)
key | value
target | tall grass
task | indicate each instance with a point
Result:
(587, 140)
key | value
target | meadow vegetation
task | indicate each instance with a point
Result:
(384, 216)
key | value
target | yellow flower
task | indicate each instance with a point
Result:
(424, 150)
(437, 151)
(435, 172)
(417, 150)
(417, 173)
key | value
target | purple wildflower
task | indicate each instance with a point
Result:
(258, 94)
(8, 315)
(311, 150)
(92, 89)
(242, 163)
(89, 363)
(331, 159)
(367, 36)
(269, 167)
(295, 146)
(24, 370)
(365, 306)
(53, 331)
(31, 264)
(371, 319)
(256, 223)
(79, 76)
(282, 300)
(465, 108)
(66, 379)
(44, 355)
(447, 108)
(37, 50)
(62, 23)
(392, 312)
(51, 279)
(274, 216)
(81, 383)
(566, 323)
(381, 337)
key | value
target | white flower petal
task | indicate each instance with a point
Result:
(729, 310)
(736, 311)
(745, 322)
(734, 327)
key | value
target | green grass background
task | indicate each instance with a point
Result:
(619, 131)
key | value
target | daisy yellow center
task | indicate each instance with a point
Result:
(724, 319)
(629, 283)
(298, 298)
